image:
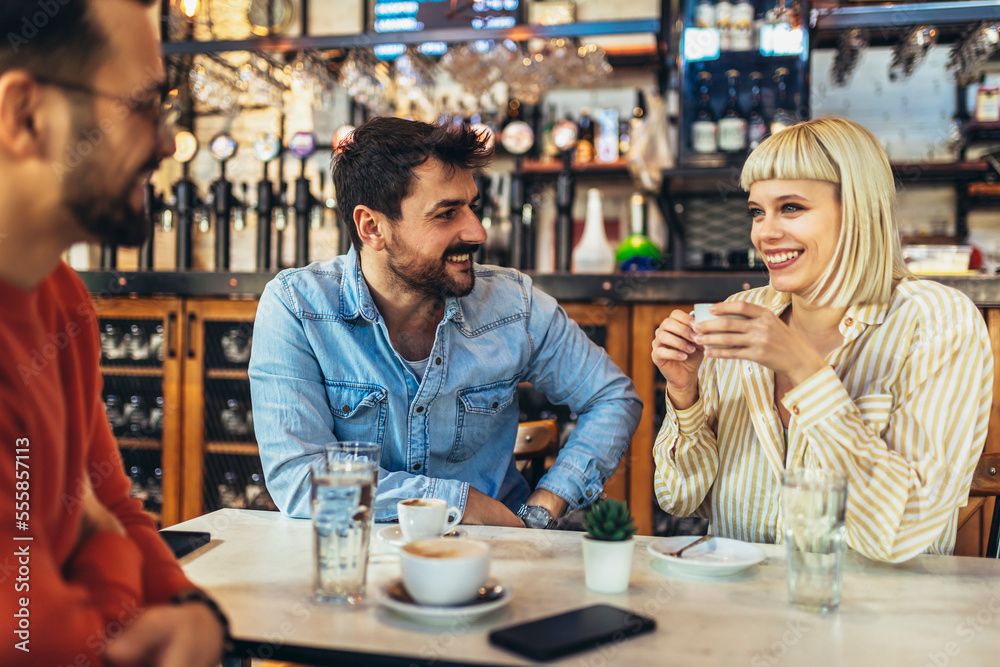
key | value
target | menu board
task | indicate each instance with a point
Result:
(414, 15)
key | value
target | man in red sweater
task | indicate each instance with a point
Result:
(85, 578)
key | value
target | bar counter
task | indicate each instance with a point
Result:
(653, 287)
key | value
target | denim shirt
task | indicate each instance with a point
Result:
(323, 370)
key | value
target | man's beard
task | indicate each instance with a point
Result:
(108, 216)
(429, 277)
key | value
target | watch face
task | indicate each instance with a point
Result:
(187, 147)
(536, 517)
(223, 147)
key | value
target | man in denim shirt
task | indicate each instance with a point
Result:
(405, 342)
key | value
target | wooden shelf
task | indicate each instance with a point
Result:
(227, 374)
(552, 167)
(150, 444)
(133, 371)
(241, 448)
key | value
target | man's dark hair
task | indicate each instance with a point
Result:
(374, 167)
(58, 39)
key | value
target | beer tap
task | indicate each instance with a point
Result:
(517, 138)
(564, 136)
(266, 148)
(302, 146)
(154, 206)
(185, 200)
(222, 148)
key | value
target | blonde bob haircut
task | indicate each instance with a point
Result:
(868, 258)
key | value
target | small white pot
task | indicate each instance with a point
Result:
(607, 565)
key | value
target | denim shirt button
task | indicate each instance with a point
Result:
(420, 409)
(589, 493)
(437, 361)
(416, 466)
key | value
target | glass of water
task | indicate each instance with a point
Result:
(813, 505)
(344, 482)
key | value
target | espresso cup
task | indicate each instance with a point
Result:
(702, 314)
(444, 573)
(420, 518)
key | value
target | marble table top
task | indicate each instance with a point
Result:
(932, 610)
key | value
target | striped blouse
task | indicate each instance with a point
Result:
(902, 409)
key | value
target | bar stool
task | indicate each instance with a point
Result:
(986, 482)
(536, 441)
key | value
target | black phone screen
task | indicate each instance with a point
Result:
(562, 634)
(183, 542)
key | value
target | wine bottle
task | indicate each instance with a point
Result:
(637, 252)
(704, 130)
(782, 116)
(756, 125)
(733, 124)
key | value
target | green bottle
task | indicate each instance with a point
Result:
(638, 252)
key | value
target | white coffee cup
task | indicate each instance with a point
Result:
(702, 314)
(420, 518)
(443, 572)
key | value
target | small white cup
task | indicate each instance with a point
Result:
(444, 572)
(703, 314)
(420, 518)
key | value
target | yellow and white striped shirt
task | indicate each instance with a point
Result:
(902, 409)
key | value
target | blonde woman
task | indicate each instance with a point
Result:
(845, 362)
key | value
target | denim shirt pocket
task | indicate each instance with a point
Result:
(480, 413)
(359, 411)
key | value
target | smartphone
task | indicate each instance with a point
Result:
(572, 631)
(183, 542)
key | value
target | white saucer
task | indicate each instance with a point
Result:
(393, 596)
(719, 557)
(394, 535)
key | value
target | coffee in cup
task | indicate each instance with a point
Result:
(444, 572)
(702, 314)
(420, 518)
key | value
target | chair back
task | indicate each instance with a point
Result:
(536, 441)
(986, 482)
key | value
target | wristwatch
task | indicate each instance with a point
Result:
(536, 516)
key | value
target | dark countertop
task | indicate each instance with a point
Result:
(654, 287)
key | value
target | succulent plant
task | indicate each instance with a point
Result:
(609, 520)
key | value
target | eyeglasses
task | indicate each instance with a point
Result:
(165, 110)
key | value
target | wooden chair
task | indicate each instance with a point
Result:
(536, 441)
(986, 482)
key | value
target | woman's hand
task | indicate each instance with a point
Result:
(678, 358)
(762, 337)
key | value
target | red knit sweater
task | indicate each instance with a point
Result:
(60, 606)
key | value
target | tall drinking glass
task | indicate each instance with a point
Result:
(813, 505)
(344, 482)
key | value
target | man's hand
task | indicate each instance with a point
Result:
(480, 509)
(95, 517)
(187, 635)
(550, 501)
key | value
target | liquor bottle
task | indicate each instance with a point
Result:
(733, 124)
(756, 125)
(585, 140)
(549, 149)
(742, 25)
(782, 117)
(704, 14)
(724, 24)
(704, 130)
(638, 252)
(593, 254)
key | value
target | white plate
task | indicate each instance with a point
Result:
(394, 535)
(393, 596)
(719, 557)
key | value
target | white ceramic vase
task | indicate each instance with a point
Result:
(607, 565)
